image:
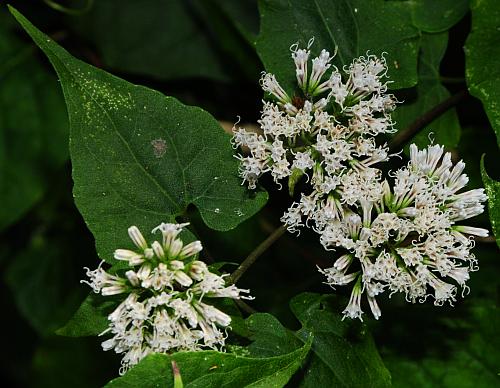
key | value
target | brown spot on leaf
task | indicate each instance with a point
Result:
(159, 147)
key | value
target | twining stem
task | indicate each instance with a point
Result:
(252, 257)
(485, 240)
(246, 308)
(409, 132)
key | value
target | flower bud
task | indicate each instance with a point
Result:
(137, 237)
(158, 250)
(183, 279)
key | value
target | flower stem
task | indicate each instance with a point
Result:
(254, 255)
(409, 132)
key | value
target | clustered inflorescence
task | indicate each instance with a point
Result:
(167, 307)
(396, 237)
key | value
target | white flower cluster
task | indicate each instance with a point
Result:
(407, 240)
(167, 307)
(327, 134)
(400, 239)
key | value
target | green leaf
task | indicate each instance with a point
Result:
(243, 14)
(471, 361)
(158, 38)
(428, 93)
(343, 352)
(140, 158)
(482, 51)
(41, 284)
(91, 318)
(231, 23)
(269, 337)
(438, 16)
(200, 38)
(493, 191)
(214, 369)
(355, 27)
(33, 126)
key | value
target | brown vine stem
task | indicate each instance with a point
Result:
(409, 132)
(246, 308)
(252, 257)
(485, 240)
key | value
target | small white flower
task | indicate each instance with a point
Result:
(270, 84)
(300, 57)
(303, 161)
(353, 309)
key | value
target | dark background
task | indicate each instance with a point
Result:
(201, 53)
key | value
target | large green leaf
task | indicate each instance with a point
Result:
(33, 126)
(472, 361)
(493, 191)
(354, 27)
(269, 337)
(343, 352)
(159, 38)
(428, 93)
(169, 39)
(437, 16)
(41, 283)
(140, 158)
(43, 273)
(90, 319)
(232, 25)
(214, 369)
(482, 51)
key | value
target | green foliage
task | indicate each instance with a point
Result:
(91, 318)
(140, 158)
(269, 337)
(343, 352)
(353, 27)
(437, 16)
(41, 285)
(214, 369)
(342, 355)
(470, 361)
(482, 52)
(398, 29)
(493, 191)
(33, 126)
(428, 93)
(43, 272)
(168, 39)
